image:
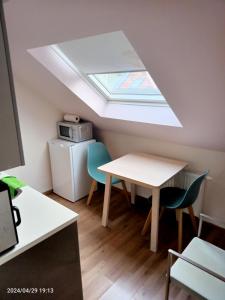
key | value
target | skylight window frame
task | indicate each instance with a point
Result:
(103, 91)
(124, 99)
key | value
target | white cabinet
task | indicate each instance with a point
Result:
(70, 177)
(11, 154)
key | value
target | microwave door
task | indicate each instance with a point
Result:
(65, 132)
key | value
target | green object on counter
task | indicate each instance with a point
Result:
(14, 184)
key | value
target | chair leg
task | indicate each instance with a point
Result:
(125, 191)
(93, 186)
(193, 220)
(147, 222)
(180, 229)
(162, 209)
(167, 290)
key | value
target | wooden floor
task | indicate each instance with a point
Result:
(116, 262)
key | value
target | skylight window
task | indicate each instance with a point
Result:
(135, 86)
(106, 73)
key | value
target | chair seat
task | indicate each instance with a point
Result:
(100, 177)
(201, 283)
(171, 197)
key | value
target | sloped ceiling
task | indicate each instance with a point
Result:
(181, 43)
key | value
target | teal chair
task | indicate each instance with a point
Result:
(177, 198)
(97, 156)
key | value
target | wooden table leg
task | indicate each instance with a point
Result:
(133, 192)
(155, 219)
(106, 203)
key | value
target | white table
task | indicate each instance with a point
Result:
(146, 170)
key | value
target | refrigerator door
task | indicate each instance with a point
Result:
(80, 174)
(61, 167)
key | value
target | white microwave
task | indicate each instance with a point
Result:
(74, 132)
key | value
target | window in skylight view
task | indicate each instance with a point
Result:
(137, 86)
(107, 74)
(111, 65)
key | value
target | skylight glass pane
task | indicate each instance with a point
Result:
(132, 86)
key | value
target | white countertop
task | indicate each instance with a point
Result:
(41, 217)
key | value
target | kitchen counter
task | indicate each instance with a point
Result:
(41, 217)
(46, 261)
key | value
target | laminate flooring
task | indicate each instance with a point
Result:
(116, 262)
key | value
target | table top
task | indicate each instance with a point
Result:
(41, 217)
(144, 169)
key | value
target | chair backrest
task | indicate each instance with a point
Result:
(97, 155)
(192, 192)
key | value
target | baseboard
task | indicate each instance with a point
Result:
(48, 192)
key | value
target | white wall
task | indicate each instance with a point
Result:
(198, 159)
(37, 121)
(186, 58)
(38, 124)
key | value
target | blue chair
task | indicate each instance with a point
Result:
(177, 198)
(97, 156)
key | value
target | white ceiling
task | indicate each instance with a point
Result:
(181, 43)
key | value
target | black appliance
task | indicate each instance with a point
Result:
(8, 222)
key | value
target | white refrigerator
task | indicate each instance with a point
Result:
(70, 178)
